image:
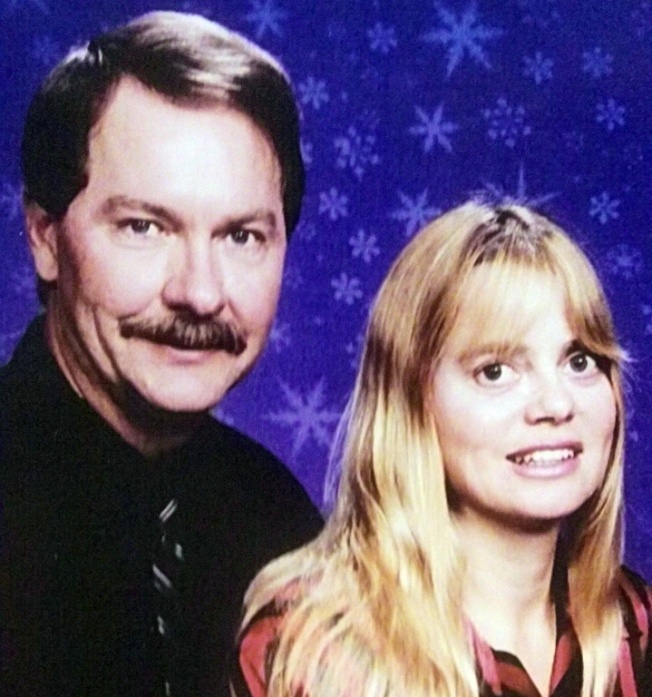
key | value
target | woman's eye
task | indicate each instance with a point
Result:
(582, 362)
(494, 374)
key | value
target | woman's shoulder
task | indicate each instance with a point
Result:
(636, 600)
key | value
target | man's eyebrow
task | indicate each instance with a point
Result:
(115, 203)
(262, 215)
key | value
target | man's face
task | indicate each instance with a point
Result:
(168, 264)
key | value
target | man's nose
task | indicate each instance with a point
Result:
(552, 399)
(196, 280)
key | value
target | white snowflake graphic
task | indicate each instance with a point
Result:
(354, 350)
(334, 204)
(265, 15)
(12, 5)
(307, 417)
(415, 212)
(306, 152)
(624, 261)
(499, 193)
(382, 39)
(280, 337)
(506, 123)
(45, 50)
(539, 13)
(10, 200)
(313, 92)
(434, 129)
(462, 35)
(597, 63)
(347, 290)
(604, 208)
(355, 151)
(364, 246)
(538, 67)
(642, 18)
(647, 313)
(611, 114)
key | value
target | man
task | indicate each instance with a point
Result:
(162, 176)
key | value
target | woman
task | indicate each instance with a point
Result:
(475, 546)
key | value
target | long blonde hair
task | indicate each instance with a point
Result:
(373, 605)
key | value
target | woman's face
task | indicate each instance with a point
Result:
(526, 430)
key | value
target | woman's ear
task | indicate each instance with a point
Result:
(42, 237)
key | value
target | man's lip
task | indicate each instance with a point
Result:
(575, 448)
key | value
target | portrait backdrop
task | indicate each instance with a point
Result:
(408, 107)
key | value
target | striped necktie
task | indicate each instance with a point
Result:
(166, 568)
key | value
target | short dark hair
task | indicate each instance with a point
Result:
(186, 58)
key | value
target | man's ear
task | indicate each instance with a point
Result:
(42, 236)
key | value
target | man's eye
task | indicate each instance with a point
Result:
(242, 236)
(140, 226)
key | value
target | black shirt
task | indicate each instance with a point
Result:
(78, 525)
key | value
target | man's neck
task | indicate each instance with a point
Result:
(146, 428)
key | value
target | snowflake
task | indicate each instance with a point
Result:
(596, 63)
(539, 13)
(538, 67)
(347, 289)
(624, 261)
(334, 204)
(506, 123)
(647, 313)
(381, 38)
(642, 17)
(356, 151)
(610, 113)
(280, 337)
(10, 200)
(307, 231)
(266, 15)
(45, 50)
(415, 212)
(354, 350)
(462, 35)
(313, 92)
(604, 208)
(306, 152)
(365, 246)
(39, 4)
(434, 129)
(307, 417)
(499, 194)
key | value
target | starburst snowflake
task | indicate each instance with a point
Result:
(462, 35)
(624, 261)
(498, 193)
(355, 151)
(364, 246)
(604, 208)
(434, 129)
(280, 337)
(313, 92)
(611, 114)
(347, 290)
(596, 63)
(308, 417)
(415, 212)
(10, 200)
(334, 204)
(538, 67)
(265, 15)
(506, 123)
(382, 39)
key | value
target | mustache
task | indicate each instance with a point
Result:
(187, 332)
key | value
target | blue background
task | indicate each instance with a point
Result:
(408, 108)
